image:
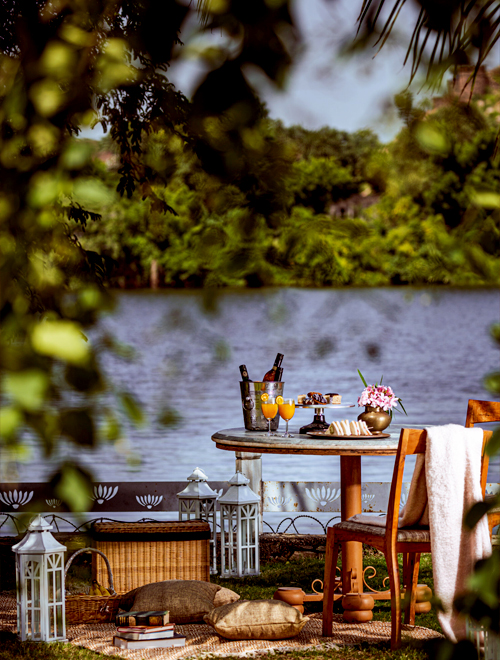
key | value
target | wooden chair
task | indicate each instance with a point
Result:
(480, 412)
(411, 542)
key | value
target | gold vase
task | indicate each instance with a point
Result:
(376, 419)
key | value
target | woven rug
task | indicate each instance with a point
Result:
(202, 640)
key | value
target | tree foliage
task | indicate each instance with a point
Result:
(236, 200)
(64, 65)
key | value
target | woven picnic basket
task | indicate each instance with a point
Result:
(149, 551)
(83, 608)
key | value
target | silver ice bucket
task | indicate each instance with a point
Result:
(252, 405)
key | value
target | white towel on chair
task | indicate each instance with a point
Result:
(444, 486)
(453, 476)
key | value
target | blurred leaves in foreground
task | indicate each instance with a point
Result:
(68, 65)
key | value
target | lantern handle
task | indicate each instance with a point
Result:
(108, 566)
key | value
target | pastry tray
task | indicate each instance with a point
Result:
(325, 405)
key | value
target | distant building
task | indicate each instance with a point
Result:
(110, 159)
(353, 206)
(463, 87)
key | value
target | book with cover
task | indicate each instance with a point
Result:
(142, 618)
(145, 629)
(175, 640)
(145, 632)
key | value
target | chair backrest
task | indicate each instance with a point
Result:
(413, 441)
(481, 412)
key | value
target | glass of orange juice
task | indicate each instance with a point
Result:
(287, 411)
(269, 410)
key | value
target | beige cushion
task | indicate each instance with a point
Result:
(256, 619)
(225, 596)
(186, 600)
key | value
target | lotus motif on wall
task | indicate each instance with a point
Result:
(279, 501)
(103, 493)
(53, 503)
(16, 498)
(149, 501)
(323, 495)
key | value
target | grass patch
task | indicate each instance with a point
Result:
(295, 573)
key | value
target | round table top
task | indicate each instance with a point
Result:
(239, 439)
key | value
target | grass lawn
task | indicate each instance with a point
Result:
(298, 572)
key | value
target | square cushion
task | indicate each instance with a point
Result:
(256, 619)
(186, 600)
(225, 596)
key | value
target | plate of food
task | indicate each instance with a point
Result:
(318, 400)
(345, 430)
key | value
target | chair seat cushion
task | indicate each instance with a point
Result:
(405, 535)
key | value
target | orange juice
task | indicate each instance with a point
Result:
(269, 410)
(287, 409)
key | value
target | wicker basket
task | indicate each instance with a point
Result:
(92, 609)
(145, 552)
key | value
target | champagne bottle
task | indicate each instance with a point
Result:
(270, 376)
(279, 374)
(244, 374)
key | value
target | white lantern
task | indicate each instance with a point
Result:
(198, 501)
(40, 585)
(239, 512)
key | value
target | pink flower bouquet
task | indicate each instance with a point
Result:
(379, 396)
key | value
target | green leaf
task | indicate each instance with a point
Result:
(402, 407)
(28, 388)
(485, 579)
(132, 408)
(111, 429)
(83, 379)
(12, 419)
(73, 486)
(48, 97)
(169, 417)
(76, 155)
(486, 199)
(492, 382)
(432, 139)
(493, 446)
(474, 515)
(92, 193)
(362, 379)
(61, 340)
(79, 426)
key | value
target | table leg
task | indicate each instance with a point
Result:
(350, 504)
(251, 466)
(356, 608)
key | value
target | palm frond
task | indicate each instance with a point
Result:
(202, 7)
(442, 34)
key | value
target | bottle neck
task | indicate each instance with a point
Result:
(278, 361)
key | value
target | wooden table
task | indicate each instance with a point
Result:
(252, 444)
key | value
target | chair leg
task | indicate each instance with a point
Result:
(411, 565)
(331, 555)
(391, 559)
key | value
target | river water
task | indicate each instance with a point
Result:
(431, 345)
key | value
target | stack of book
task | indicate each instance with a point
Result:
(140, 630)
